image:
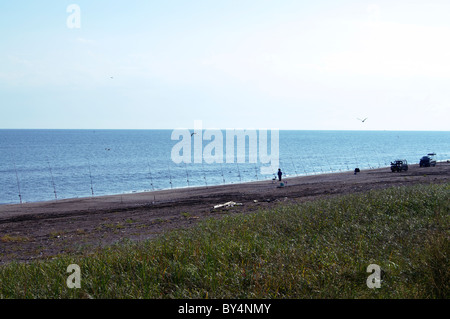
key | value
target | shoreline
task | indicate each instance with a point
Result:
(175, 189)
(183, 188)
(142, 197)
(37, 230)
(179, 189)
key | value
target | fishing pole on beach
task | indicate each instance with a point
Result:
(345, 159)
(341, 161)
(187, 174)
(378, 157)
(367, 158)
(53, 181)
(311, 164)
(90, 176)
(204, 174)
(221, 170)
(239, 172)
(295, 168)
(304, 168)
(18, 183)
(354, 154)
(320, 166)
(151, 177)
(328, 162)
(280, 164)
(170, 176)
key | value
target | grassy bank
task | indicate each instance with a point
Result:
(319, 249)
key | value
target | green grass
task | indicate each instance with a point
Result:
(319, 249)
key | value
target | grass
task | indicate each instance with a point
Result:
(318, 249)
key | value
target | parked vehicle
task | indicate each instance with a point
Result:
(428, 160)
(399, 165)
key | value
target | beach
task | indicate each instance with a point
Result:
(31, 231)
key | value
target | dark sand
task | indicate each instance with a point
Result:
(35, 230)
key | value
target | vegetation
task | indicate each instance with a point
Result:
(317, 249)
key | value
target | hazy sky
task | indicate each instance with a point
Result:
(282, 64)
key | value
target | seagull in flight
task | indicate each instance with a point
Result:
(363, 120)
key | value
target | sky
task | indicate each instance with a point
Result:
(289, 65)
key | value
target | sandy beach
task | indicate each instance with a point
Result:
(45, 229)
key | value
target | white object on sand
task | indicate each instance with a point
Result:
(227, 204)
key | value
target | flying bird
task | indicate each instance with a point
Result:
(193, 133)
(363, 120)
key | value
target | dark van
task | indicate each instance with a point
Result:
(428, 160)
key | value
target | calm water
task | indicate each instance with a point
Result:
(43, 165)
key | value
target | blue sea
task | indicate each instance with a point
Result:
(45, 165)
